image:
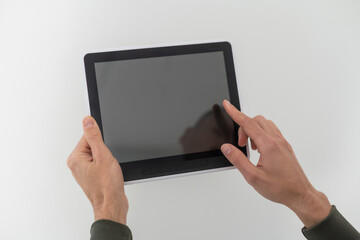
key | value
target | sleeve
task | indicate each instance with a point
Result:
(109, 230)
(334, 226)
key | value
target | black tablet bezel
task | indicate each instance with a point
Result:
(157, 167)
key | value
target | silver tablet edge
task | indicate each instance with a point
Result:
(178, 175)
(185, 174)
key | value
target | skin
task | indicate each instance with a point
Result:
(277, 176)
(99, 175)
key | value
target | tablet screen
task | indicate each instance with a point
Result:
(163, 106)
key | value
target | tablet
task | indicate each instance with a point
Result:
(160, 109)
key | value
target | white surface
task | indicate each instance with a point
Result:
(297, 63)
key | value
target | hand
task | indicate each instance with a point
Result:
(99, 174)
(278, 175)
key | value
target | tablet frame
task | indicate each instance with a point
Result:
(171, 166)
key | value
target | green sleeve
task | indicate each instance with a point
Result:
(109, 230)
(333, 227)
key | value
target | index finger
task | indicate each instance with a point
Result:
(250, 127)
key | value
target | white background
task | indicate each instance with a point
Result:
(297, 63)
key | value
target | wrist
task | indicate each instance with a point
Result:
(112, 210)
(311, 207)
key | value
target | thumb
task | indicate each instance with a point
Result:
(239, 160)
(92, 133)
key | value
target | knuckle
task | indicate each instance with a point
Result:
(283, 141)
(70, 162)
(92, 133)
(288, 145)
(259, 117)
(270, 121)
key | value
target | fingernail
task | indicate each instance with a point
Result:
(89, 122)
(226, 149)
(227, 102)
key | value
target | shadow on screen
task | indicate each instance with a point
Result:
(213, 128)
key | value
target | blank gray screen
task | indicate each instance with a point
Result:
(162, 106)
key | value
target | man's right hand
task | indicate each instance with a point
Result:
(278, 175)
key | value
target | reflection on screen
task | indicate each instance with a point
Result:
(163, 106)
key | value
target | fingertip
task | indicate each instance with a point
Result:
(88, 121)
(226, 103)
(226, 148)
(92, 132)
(238, 159)
(242, 143)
